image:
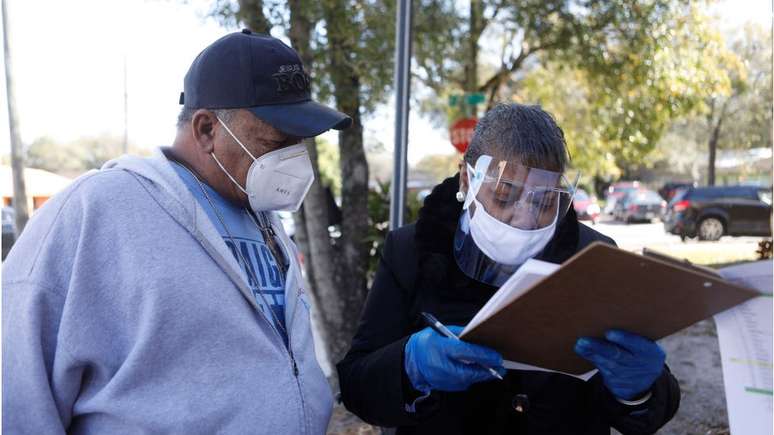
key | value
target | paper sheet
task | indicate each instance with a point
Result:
(513, 365)
(528, 274)
(745, 338)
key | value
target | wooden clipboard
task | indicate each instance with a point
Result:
(599, 288)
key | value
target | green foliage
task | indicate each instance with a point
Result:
(745, 111)
(439, 166)
(233, 13)
(369, 29)
(379, 221)
(78, 156)
(567, 94)
(614, 73)
(582, 33)
(749, 104)
(328, 162)
(615, 106)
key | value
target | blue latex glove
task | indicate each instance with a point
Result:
(628, 363)
(434, 362)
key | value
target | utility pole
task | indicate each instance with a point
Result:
(126, 111)
(402, 89)
(17, 154)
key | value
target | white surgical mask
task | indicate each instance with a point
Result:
(278, 180)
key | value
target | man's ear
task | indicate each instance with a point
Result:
(203, 129)
(463, 177)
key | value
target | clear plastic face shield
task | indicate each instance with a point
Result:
(510, 214)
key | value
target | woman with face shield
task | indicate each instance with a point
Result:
(511, 201)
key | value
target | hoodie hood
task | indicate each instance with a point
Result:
(161, 181)
(157, 171)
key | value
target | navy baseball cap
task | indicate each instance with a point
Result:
(244, 70)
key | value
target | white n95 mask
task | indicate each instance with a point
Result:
(278, 180)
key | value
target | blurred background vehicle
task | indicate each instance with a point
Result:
(617, 191)
(9, 229)
(639, 206)
(586, 206)
(669, 189)
(712, 212)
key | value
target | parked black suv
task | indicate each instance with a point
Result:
(711, 212)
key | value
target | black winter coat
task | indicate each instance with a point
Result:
(418, 273)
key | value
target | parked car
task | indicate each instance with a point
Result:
(617, 191)
(9, 229)
(586, 206)
(669, 189)
(712, 212)
(640, 205)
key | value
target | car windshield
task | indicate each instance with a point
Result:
(644, 196)
(581, 195)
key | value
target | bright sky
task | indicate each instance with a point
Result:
(68, 64)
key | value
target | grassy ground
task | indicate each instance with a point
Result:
(710, 254)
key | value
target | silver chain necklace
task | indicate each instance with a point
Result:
(270, 233)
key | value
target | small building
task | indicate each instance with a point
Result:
(40, 185)
(752, 166)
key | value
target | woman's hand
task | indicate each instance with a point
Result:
(435, 362)
(628, 363)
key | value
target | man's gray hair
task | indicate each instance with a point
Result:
(519, 133)
(186, 115)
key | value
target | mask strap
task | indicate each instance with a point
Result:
(235, 138)
(228, 175)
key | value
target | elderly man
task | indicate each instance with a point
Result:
(161, 295)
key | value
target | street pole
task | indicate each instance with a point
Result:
(17, 155)
(402, 92)
(126, 111)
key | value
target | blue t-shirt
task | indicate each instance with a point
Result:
(263, 271)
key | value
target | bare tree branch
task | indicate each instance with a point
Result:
(499, 77)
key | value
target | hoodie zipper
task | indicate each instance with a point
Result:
(285, 252)
(289, 347)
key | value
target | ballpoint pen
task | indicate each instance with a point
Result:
(443, 330)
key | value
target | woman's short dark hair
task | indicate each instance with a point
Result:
(522, 133)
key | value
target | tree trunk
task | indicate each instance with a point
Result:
(716, 125)
(312, 222)
(352, 259)
(713, 147)
(337, 273)
(17, 154)
(471, 67)
(250, 13)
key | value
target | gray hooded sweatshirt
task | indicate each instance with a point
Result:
(124, 312)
